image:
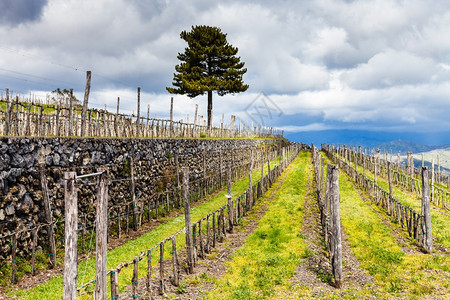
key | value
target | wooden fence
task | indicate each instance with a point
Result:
(406, 177)
(416, 224)
(20, 118)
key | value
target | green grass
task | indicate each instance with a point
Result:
(86, 269)
(262, 267)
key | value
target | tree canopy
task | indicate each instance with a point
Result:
(208, 64)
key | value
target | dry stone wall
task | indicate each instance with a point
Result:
(21, 198)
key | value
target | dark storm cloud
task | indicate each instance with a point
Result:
(14, 12)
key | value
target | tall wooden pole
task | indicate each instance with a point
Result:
(101, 234)
(335, 218)
(171, 116)
(71, 113)
(428, 239)
(187, 219)
(70, 236)
(138, 111)
(85, 103)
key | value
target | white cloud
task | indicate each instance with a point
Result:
(381, 63)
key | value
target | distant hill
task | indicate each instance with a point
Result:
(429, 153)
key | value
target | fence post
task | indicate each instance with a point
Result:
(114, 284)
(48, 216)
(175, 261)
(171, 117)
(390, 179)
(335, 218)
(70, 236)
(85, 103)
(428, 239)
(133, 194)
(8, 115)
(101, 234)
(230, 202)
(250, 182)
(71, 113)
(187, 218)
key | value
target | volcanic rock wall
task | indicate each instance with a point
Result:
(21, 198)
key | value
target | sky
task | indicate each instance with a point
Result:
(320, 70)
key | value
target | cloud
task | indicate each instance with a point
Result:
(391, 68)
(331, 63)
(15, 12)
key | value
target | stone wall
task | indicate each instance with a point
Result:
(21, 199)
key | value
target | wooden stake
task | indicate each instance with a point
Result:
(161, 268)
(250, 182)
(138, 117)
(187, 218)
(101, 234)
(70, 236)
(85, 103)
(133, 194)
(134, 279)
(175, 261)
(335, 240)
(114, 284)
(428, 239)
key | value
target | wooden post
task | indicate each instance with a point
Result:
(187, 218)
(85, 103)
(250, 182)
(16, 119)
(230, 201)
(262, 171)
(175, 261)
(114, 284)
(428, 239)
(432, 182)
(149, 273)
(161, 268)
(116, 118)
(70, 236)
(138, 117)
(134, 279)
(101, 234)
(33, 251)
(390, 180)
(133, 194)
(8, 113)
(48, 217)
(375, 188)
(71, 113)
(171, 116)
(148, 120)
(335, 239)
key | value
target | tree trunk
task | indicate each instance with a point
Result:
(209, 109)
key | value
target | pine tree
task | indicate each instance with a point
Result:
(208, 64)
